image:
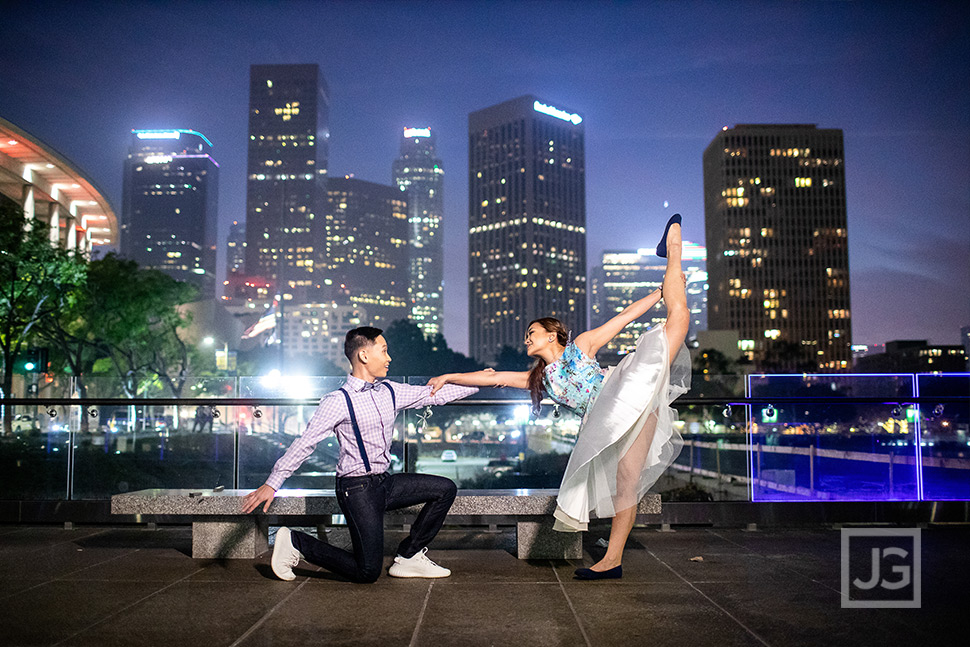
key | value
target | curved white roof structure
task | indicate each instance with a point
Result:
(53, 190)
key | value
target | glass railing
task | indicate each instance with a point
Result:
(747, 438)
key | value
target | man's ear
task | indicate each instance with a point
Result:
(362, 355)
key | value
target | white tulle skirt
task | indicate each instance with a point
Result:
(627, 439)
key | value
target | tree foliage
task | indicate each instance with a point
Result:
(413, 354)
(36, 281)
(783, 356)
(512, 359)
(135, 313)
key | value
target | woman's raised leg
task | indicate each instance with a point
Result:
(675, 294)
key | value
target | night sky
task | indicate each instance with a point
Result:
(654, 82)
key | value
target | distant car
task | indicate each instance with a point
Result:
(449, 456)
(24, 422)
(499, 466)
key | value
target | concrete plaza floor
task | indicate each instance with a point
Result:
(109, 586)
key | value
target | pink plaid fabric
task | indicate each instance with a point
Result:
(375, 417)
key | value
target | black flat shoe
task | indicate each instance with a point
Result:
(662, 246)
(589, 574)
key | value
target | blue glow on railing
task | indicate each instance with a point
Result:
(919, 444)
(898, 396)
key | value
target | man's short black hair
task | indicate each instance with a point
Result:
(358, 338)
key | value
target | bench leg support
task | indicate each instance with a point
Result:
(537, 540)
(220, 538)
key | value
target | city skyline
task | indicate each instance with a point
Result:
(777, 237)
(419, 174)
(622, 276)
(526, 221)
(366, 251)
(288, 144)
(170, 205)
(650, 96)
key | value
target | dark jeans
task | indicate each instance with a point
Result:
(363, 500)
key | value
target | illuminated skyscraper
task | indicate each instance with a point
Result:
(288, 146)
(778, 257)
(625, 276)
(527, 221)
(236, 249)
(170, 203)
(420, 175)
(366, 249)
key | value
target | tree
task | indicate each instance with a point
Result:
(783, 356)
(413, 354)
(36, 281)
(710, 361)
(135, 320)
(512, 359)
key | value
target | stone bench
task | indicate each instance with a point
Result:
(221, 531)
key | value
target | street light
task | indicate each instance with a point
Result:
(222, 357)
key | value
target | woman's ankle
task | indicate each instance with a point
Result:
(606, 564)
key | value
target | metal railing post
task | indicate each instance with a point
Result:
(811, 469)
(717, 457)
(891, 487)
(757, 464)
(691, 477)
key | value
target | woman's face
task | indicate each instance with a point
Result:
(537, 338)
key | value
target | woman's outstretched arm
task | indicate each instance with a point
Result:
(592, 340)
(514, 379)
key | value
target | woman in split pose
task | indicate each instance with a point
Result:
(627, 438)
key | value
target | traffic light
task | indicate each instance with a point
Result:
(35, 360)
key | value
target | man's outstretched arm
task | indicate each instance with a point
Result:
(321, 424)
(412, 396)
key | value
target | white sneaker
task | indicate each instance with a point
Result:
(285, 556)
(417, 566)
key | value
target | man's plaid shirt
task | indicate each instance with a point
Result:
(375, 414)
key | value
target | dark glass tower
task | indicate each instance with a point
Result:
(236, 249)
(367, 250)
(526, 221)
(420, 175)
(170, 203)
(288, 145)
(777, 243)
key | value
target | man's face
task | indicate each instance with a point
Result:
(378, 360)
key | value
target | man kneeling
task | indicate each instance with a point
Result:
(361, 414)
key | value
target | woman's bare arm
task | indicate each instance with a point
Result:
(592, 340)
(514, 379)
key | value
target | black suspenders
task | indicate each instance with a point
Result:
(353, 423)
(393, 399)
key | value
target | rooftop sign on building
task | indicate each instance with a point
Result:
(571, 117)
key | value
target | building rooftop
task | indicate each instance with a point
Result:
(109, 586)
(27, 161)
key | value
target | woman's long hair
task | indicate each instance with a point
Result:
(536, 388)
